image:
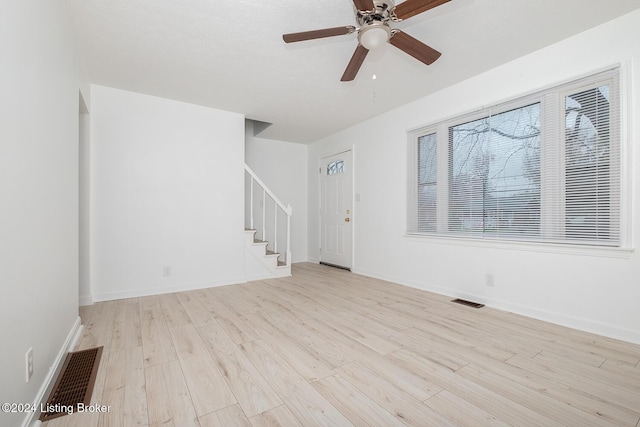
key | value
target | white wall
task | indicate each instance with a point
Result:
(585, 290)
(84, 207)
(282, 166)
(39, 87)
(167, 191)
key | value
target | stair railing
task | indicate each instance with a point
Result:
(256, 186)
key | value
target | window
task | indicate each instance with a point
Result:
(541, 168)
(427, 169)
(335, 167)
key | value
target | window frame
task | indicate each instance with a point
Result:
(552, 152)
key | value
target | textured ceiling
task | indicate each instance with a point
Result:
(229, 54)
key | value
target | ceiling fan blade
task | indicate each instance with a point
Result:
(354, 65)
(409, 8)
(318, 34)
(414, 47)
(364, 4)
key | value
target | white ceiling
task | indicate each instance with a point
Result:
(229, 54)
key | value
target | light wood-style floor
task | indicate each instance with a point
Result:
(331, 348)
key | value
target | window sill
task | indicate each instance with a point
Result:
(596, 251)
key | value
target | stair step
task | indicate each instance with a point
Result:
(269, 258)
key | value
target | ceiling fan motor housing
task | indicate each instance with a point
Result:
(382, 12)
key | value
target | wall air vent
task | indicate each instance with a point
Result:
(467, 303)
(74, 385)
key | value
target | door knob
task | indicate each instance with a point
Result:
(347, 219)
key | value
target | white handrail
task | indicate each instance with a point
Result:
(287, 210)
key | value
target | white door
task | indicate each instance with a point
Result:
(335, 210)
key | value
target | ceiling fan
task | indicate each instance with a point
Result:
(373, 16)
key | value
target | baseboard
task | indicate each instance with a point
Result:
(110, 296)
(257, 277)
(31, 420)
(581, 324)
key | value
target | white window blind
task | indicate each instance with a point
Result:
(545, 167)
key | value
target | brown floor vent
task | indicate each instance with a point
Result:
(74, 385)
(467, 303)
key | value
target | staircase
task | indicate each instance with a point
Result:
(267, 231)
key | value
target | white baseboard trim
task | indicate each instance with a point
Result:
(110, 296)
(31, 420)
(581, 324)
(256, 277)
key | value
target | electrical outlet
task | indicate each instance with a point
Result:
(489, 279)
(29, 364)
(166, 271)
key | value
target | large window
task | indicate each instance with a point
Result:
(541, 168)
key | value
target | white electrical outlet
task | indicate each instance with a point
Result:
(29, 364)
(490, 280)
(166, 271)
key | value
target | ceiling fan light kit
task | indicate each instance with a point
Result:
(374, 16)
(373, 36)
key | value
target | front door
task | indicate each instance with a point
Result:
(336, 212)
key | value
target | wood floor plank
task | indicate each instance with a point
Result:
(468, 340)
(194, 308)
(234, 323)
(207, 386)
(384, 314)
(135, 398)
(157, 345)
(618, 406)
(528, 397)
(276, 417)
(442, 352)
(621, 369)
(460, 411)
(231, 416)
(235, 297)
(492, 402)
(391, 396)
(306, 403)
(253, 392)
(124, 389)
(354, 404)
(373, 327)
(357, 333)
(314, 344)
(173, 311)
(579, 344)
(114, 388)
(168, 396)
(614, 374)
(308, 365)
(126, 330)
(265, 296)
(159, 407)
